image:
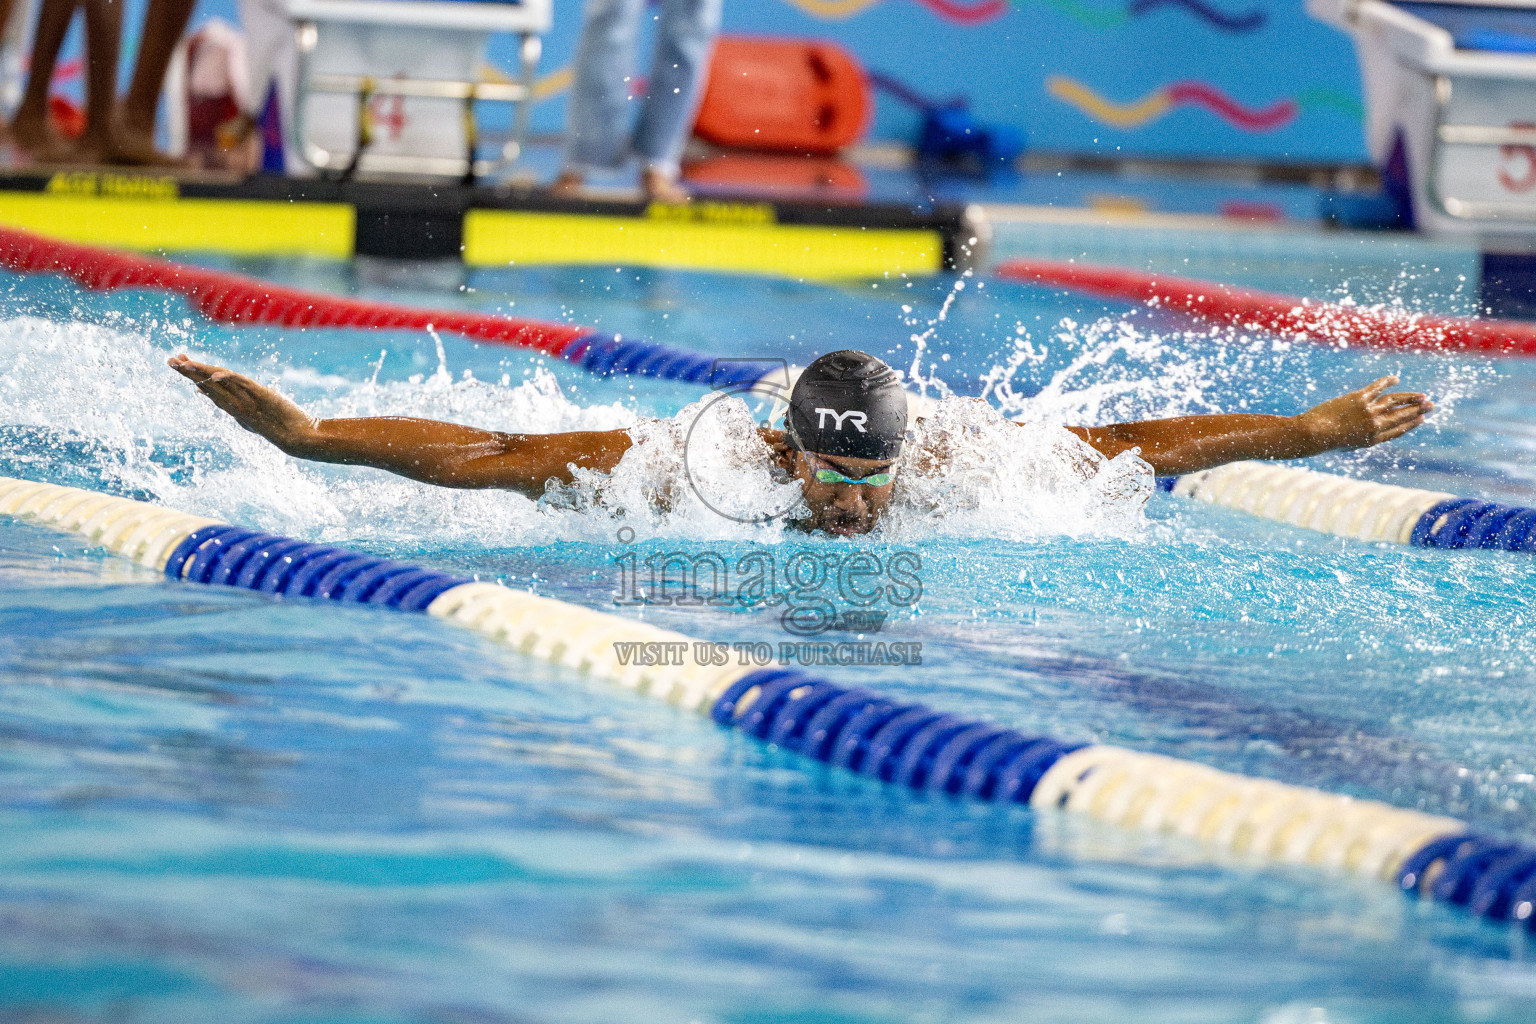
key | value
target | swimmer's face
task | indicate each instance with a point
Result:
(843, 509)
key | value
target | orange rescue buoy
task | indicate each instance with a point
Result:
(794, 95)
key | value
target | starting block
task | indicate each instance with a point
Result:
(1450, 92)
(391, 86)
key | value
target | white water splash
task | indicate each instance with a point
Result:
(1118, 369)
(104, 400)
(920, 341)
(1103, 378)
(971, 472)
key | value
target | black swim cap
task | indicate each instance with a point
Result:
(848, 404)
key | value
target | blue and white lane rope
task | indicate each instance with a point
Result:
(610, 355)
(1359, 509)
(896, 741)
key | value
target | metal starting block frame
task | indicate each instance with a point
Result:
(420, 60)
(1459, 103)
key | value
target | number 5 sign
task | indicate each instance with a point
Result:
(1517, 172)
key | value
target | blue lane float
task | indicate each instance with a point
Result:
(1470, 523)
(607, 355)
(850, 728)
(271, 564)
(906, 744)
(1360, 509)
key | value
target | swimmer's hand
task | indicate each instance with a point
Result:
(781, 452)
(258, 409)
(1366, 417)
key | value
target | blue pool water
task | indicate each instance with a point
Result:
(220, 807)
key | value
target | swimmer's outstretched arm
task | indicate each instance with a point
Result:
(1188, 444)
(446, 454)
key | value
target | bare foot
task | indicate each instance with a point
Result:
(569, 185)
(244, 158)
(240, 146)
(92, 147)
(662, 188)
(133, 145)
(35, 136)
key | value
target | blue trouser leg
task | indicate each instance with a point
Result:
(684, 37)
(597, 118)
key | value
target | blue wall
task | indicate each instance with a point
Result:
(1264, 55)
(1164, 63)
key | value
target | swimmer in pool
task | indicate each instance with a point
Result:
(844, 430)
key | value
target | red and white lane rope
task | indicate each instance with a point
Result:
(1330, 322)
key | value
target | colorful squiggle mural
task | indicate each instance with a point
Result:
(967, 14)
(983, 11)
(1201, 94)
(1332, 99)
(949, 10)
(832, 10)
(1249, 21)
(552, 84)
(545, 87)
(1121, 115)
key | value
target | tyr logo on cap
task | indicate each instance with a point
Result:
(854, 416)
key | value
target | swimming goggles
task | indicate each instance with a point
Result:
(832, 476)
